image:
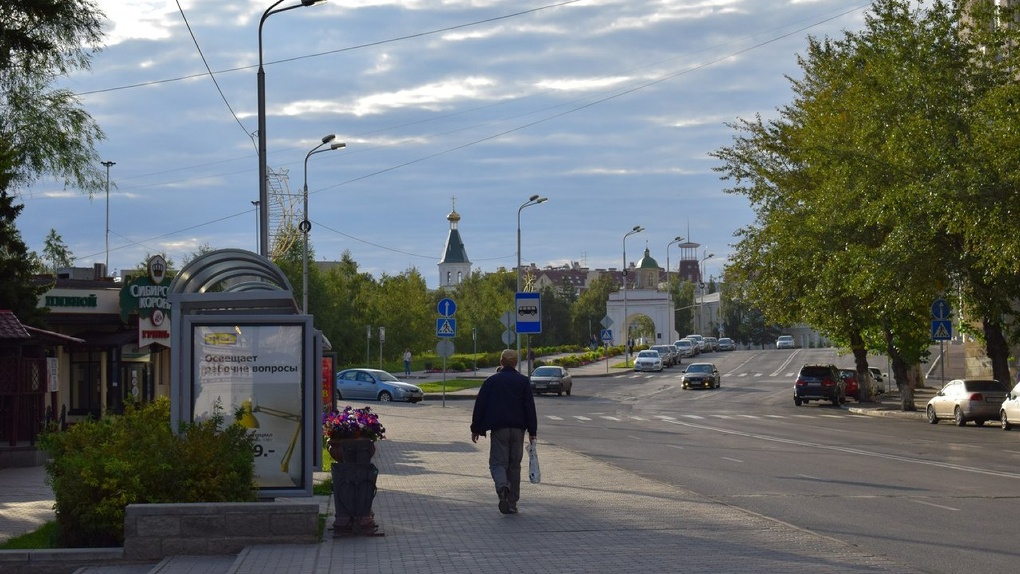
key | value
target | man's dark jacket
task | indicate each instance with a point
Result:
(505, 401)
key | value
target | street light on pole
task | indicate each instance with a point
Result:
(669, 293)
(533, 200)
(626, 327)
(263, 169)
(701, 307)
(306, 225)
(108, 164)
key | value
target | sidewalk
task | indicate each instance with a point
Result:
(437, 508)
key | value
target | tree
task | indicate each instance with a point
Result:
(56, 252)
(45, 128)
(869, 191)
(17, 292)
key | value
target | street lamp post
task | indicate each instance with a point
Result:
(306, 225)
(701, 307)
(533, 200)
(263, 169)
(669, 294)
(626, 327)
(108, 165)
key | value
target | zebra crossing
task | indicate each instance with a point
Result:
(713, 416)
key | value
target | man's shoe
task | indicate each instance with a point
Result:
(513, 508)
(504, 500)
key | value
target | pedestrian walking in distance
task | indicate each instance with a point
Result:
(505, 408)
(407, 362)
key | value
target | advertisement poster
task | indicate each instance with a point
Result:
(328, 372)
(257, 369)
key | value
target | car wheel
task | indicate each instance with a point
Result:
(930, 412)
(385, 396)
(797, 401)
(1006, 425)
(958, 417)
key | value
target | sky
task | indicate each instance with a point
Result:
(609, 108)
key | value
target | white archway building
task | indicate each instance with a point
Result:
(645, 296)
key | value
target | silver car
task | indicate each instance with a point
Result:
(551, 379)
(374, 385)
(963, 400)
(668, 353)
(648, 360)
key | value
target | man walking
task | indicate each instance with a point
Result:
(506, 407)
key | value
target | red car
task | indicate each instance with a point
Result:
(853, 388)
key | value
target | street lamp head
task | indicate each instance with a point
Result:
(542, 200)
(337, 145)
(310, 2)
(533, 197)
(638, 229)
(329, 138)
(678, 238)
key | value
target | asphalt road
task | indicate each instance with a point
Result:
(939, 497)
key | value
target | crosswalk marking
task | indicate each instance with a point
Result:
(580, 418)
(554, 417)
(607, 417)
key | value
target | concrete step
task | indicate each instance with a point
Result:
(276, 558)
(169, 565)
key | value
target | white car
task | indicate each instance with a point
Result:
(648, 360)
(1009, 412)
(785, 342)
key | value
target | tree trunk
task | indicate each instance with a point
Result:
(861, 362)
(997, 349)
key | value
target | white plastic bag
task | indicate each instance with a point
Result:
(534, 473)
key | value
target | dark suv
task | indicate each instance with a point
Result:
(819, 382)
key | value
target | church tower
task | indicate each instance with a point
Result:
(455, 265)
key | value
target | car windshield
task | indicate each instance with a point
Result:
(546, 372)
(699, 368)
(649, 354)
(384, 376)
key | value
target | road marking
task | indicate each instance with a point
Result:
(933, 504)
(675, 446)
(607, 417)
(665, 418)
(722, 416)
(732, 459)
(699, 417)
(555, 418)
(832, 416)
(749, 416)
(580, 418)
(808, 476)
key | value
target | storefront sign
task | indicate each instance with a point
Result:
(147, 295)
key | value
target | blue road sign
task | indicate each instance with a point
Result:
(446, 327)
(941, 330)
(529, 313)
(940, 310)
(446, 307)
(607, 335)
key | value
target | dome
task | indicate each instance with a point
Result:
(647, 262)
(454, 216)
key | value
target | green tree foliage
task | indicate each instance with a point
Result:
(590, 308)
(869, 192)
(98, 467)
(56, 253)
(17, 291)
(44, 126)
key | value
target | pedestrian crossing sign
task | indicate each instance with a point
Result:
(941, 330)
(446, 327)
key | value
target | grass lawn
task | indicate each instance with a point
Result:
(451, 385)
(43, 538)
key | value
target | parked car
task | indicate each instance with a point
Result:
(684, 347)
(819, 382)
(785, 342)
(699, 341)
(668, 353)
(964, 400)
(648, 360)
(702, 375)
(711, 344)
(551, 379)
(1009, 412)
(373, 384)
(850, 384)
(727, 344)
